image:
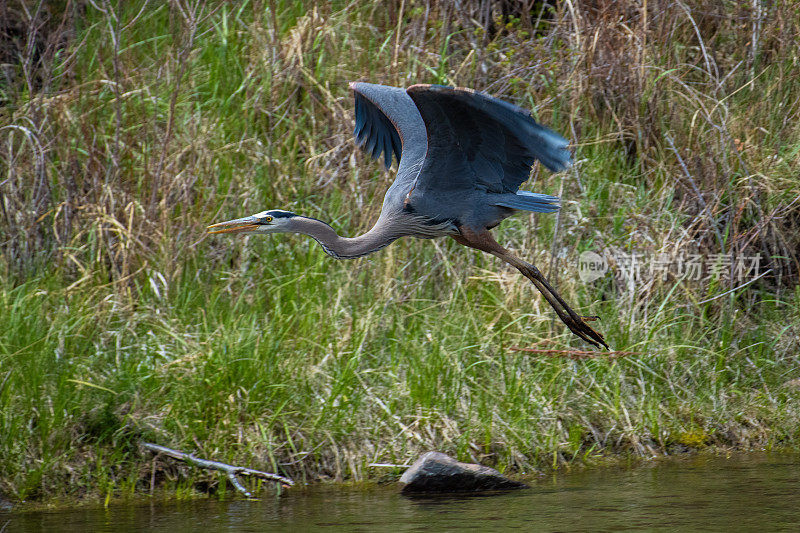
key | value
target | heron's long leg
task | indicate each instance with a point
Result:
(484, 241)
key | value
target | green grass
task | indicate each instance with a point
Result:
(122, 323)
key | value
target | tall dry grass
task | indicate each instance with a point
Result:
(678, 90)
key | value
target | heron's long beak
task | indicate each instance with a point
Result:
(235, 226)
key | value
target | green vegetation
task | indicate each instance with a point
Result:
(124, 133)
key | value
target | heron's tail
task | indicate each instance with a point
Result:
(528, 201)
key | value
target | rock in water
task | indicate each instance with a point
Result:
(437, 472)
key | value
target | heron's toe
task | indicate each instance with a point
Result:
(587, 333)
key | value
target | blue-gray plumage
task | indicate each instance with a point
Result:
(462, 156)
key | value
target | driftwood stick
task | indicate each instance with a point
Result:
(230, 470)
(575, 354)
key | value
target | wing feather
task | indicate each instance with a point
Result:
(374, 132)
(477, 141)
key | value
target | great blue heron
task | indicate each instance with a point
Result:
(462, 156)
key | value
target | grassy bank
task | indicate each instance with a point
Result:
(127, 131)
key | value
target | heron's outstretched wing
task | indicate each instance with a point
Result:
(375, 133)
(476, 141)
(388, 123)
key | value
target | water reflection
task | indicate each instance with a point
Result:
(736, 494)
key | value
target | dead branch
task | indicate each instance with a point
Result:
(575, 354)
(230, 470)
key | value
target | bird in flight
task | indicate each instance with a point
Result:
(462, 156)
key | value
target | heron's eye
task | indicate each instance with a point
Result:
(269, 219)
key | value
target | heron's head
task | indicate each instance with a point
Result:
(272, 221)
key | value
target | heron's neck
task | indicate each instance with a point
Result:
(343, 247)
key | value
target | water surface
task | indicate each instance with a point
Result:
(742, 493)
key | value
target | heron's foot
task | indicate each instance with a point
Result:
(590, 318)
(583, 330)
